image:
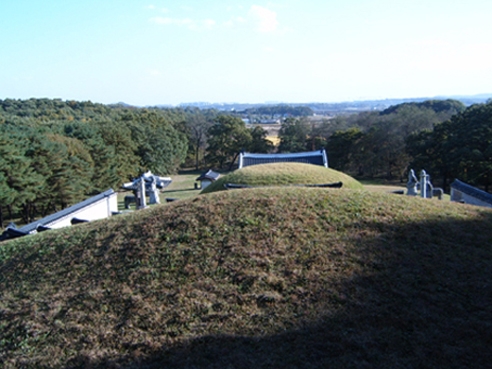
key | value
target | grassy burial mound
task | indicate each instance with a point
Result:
(264, 278)
(284, 174)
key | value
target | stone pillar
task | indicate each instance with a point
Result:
(430, 187)
(423, 184)
(141, 192)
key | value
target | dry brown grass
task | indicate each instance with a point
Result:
(265, 278)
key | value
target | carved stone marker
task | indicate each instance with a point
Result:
(146, 185)
(412, 183)
(153, 192)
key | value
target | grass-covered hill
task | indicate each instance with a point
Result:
(283, 174)
(256, 278)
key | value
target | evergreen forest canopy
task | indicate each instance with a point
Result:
(55, 153)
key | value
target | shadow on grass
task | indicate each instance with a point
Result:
(423, 300)
(182, 190)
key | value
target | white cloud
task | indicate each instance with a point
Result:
(209, 23)
(172, 21)
(234, 21)
(153, 7)
(259, 18)
(186, 22)
(265, 19)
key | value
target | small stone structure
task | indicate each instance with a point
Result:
(206, 179)
(425, 186)
(130, 199)
(146, 185)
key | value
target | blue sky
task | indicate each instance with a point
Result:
(171, 52)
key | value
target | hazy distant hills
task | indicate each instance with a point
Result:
(327, 108)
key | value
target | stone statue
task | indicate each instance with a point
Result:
(430, 188)
(153, 192)
(146, 185)
(412, 183)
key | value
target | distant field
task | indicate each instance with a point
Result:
(274, 139)
(272, 129)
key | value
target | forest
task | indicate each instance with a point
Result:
(55, 153)
(444, 137)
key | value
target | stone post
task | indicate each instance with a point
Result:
(423, 184)
(141, 189)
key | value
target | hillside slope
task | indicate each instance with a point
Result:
(264, 278)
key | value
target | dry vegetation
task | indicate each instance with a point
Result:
(263, 278)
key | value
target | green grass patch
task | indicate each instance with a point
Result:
(283, 174)
(264, 278)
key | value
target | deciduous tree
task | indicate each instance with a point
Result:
(226, 138)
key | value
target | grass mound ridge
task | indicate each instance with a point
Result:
(284, 277)
(282, 174)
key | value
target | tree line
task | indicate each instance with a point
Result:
(282, 109)
(55, 153)
(444, 137)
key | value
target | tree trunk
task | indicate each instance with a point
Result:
(390, 174)
(9, 208)
(25, 213)
(444, 182)
(196, 158)
(233, 161)
(1, 217)
(34, 211)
